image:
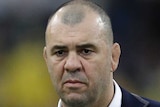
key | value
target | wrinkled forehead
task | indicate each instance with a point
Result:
(76, 20)
(73, 19)
(75, 14)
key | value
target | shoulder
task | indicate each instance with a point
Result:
(152, 103)
(133, 100)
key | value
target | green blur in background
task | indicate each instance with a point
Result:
(25, 81)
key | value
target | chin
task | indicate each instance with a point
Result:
(75, 96)
(75, 99)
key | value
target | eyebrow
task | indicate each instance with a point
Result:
(87, 45)
(58, 47)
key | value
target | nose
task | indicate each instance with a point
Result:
(73, 63)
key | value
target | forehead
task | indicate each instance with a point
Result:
(90, 27)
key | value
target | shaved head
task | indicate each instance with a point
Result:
(75, 11)
(73, 15)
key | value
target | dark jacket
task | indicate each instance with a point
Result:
(133, 100)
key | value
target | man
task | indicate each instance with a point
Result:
(81, 58)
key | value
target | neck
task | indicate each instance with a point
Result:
(106, 99)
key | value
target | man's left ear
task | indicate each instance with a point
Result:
(116, 51)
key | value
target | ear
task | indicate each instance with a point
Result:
(45, 53)
(116, 51)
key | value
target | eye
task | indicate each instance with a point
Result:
(60, 53)
(86, 51)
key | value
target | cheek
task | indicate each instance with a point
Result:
(55, 70)
(97, 70)
(97, 66)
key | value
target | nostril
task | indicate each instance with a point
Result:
(73, 70)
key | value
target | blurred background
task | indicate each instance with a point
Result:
(24, 79)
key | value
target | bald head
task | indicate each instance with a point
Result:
(75, 11)
(73, 15)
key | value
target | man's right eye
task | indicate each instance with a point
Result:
(60, 53)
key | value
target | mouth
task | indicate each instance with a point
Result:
(74, 84)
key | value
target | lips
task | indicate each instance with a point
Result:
(74, 84)
(73, 81)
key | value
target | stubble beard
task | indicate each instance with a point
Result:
(85, 99)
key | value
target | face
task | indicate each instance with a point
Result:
(80, 61)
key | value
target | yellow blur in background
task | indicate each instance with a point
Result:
(25, 81)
